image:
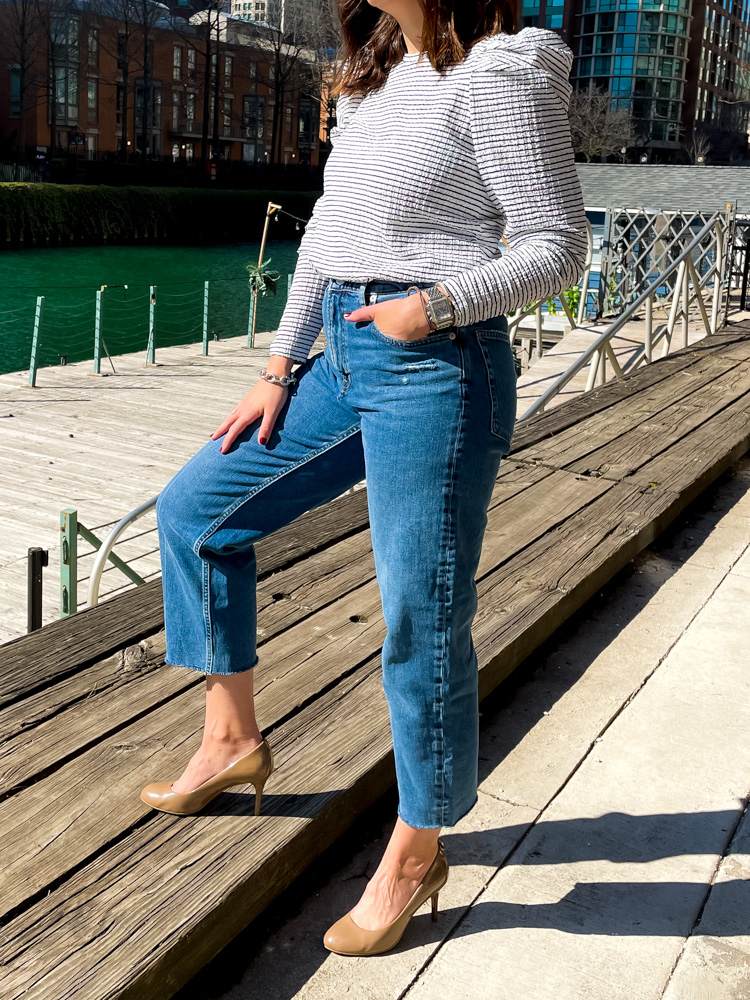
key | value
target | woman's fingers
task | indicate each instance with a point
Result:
(223, 427)
(360, 314)
(235, 429)
(266, 425)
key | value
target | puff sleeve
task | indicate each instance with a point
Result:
(519, 99)
(302, 319)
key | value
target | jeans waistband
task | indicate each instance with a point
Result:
(370, 290)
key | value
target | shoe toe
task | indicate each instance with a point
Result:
(339, 936)
(157, 793)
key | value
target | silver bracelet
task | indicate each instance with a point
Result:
(277, 379)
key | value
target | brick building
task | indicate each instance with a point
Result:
(81, 80)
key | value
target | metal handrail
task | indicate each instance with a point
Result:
(108, 544)
(621, 320)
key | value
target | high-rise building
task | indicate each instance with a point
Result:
(266, 11)
(680, 67)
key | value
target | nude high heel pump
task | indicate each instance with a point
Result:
(345, 937)
(254, 768)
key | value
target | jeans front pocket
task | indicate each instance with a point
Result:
(449, 333)
(500, 368)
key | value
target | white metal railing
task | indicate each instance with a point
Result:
(688, 287)
(108, 544)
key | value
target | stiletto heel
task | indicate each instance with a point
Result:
(254, 768)
(346, 937)
(258, 793)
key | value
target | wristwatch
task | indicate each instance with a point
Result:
(439, 307)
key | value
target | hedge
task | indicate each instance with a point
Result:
(43, 214)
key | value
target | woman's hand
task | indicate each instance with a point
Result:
(402, 319)
(264, 400)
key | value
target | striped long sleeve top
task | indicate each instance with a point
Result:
(428, 173)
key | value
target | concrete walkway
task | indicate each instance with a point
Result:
(608, 856)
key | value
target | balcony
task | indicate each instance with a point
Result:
(186, 127)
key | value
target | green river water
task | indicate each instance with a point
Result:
(69, 277)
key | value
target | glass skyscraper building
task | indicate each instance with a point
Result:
(680, 67)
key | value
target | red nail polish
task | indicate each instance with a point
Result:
(347, 314)
(262, 440)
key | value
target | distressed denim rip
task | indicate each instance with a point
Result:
(426, 422)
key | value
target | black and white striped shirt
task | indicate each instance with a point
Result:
(426, 175)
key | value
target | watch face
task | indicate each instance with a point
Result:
(442, 308)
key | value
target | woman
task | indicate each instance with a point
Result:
(450, 135)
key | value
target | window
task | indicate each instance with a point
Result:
(606, 22)
(119, 103)
(93, 100)
(177, 62)
(90, 147)
(150, 107)
(65, 93)
(308, 122)
(253, 116)
(288, 124)
(15, 92)
(123, 52)
(227, 70)
(93, 48)
(191, 67)
(176, 105)
(227, 115)
(64, 39)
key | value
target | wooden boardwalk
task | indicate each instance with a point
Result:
(104, 446)
(104, 898)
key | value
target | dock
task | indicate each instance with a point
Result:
(105, 898)
(103, 446)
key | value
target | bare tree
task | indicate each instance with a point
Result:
(147, 15)
(597, 129)
(118, 37)
(698, 148)
(299, 45)
(20, 42)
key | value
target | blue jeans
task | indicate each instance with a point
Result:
(426, 422)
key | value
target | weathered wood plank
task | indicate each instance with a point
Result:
(630, 451)
(730, 344)
(626, 414)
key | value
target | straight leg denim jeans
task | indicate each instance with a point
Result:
(426, 422)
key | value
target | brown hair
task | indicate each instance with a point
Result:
(373, 40)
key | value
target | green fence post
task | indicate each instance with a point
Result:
(68, 562)
(250, 337)
(205, 317)
(35, 340)
(98, 334)
(151, 350)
